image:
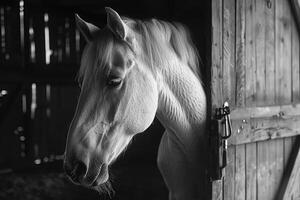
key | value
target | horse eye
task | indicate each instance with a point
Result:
(114, 81)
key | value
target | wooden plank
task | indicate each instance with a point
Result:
(251, 167)
(227, 50)
(270, 92)
(240, 183)
(241, 70)
(291, 173)
(265, 112)
(240, 54)
(283, 53)
(272, 157)
(263, 170)
(250, 91)
(295, 63)
(217, 190)
(270, 54)
(282, 75)
(259, 44)
(229, 185)
(263, 161)
(216, 74)
(260, 129)
(229, 32)
(279, 163)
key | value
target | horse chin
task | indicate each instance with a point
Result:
(103, 185)
(102, 177)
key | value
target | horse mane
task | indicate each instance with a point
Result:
(160, 40)
(159, 37)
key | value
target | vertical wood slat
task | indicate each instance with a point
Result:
(228, 48)
(283, 52)
(250, 62)
(283, 73)
(270, 89)
(240, 179)
(251, 167)
(259, 44)
(295, 63)
(240, 154)
(263, 162)
(216, 73)
(240, 53)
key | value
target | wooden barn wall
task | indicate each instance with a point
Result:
(255, 62)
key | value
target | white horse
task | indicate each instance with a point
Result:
(132, 71)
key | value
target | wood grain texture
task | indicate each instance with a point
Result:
(251, 171)
(266, 81)
(260, 129)
(250, 89)
(216, 75)
(229, 31)
(265, 112)
(283, 52)
(291, 173)
(240, 179)
(240, 53)
(263, 174)
(295, 63)
(241, 71)
(270, 54)
(259, 56)
(229, 185)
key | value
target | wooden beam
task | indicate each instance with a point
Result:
(291, 173)
(265, 112)
(264, 123)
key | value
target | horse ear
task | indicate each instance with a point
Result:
(88, 30)
(116, 24)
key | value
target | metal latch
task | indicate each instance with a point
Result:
(221, 131)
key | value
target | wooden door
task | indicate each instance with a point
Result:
(255, 67)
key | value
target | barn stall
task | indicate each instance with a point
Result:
(250, 50)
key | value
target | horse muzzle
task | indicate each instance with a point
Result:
(80, 173)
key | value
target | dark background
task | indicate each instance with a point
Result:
(38, 98)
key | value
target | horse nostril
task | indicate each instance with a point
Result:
(77, 172)
(79, 169)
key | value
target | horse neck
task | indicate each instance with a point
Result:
(182, 102)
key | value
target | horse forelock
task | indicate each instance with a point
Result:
(96, 56)
(157, 39)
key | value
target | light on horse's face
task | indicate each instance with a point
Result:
(111, 109)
